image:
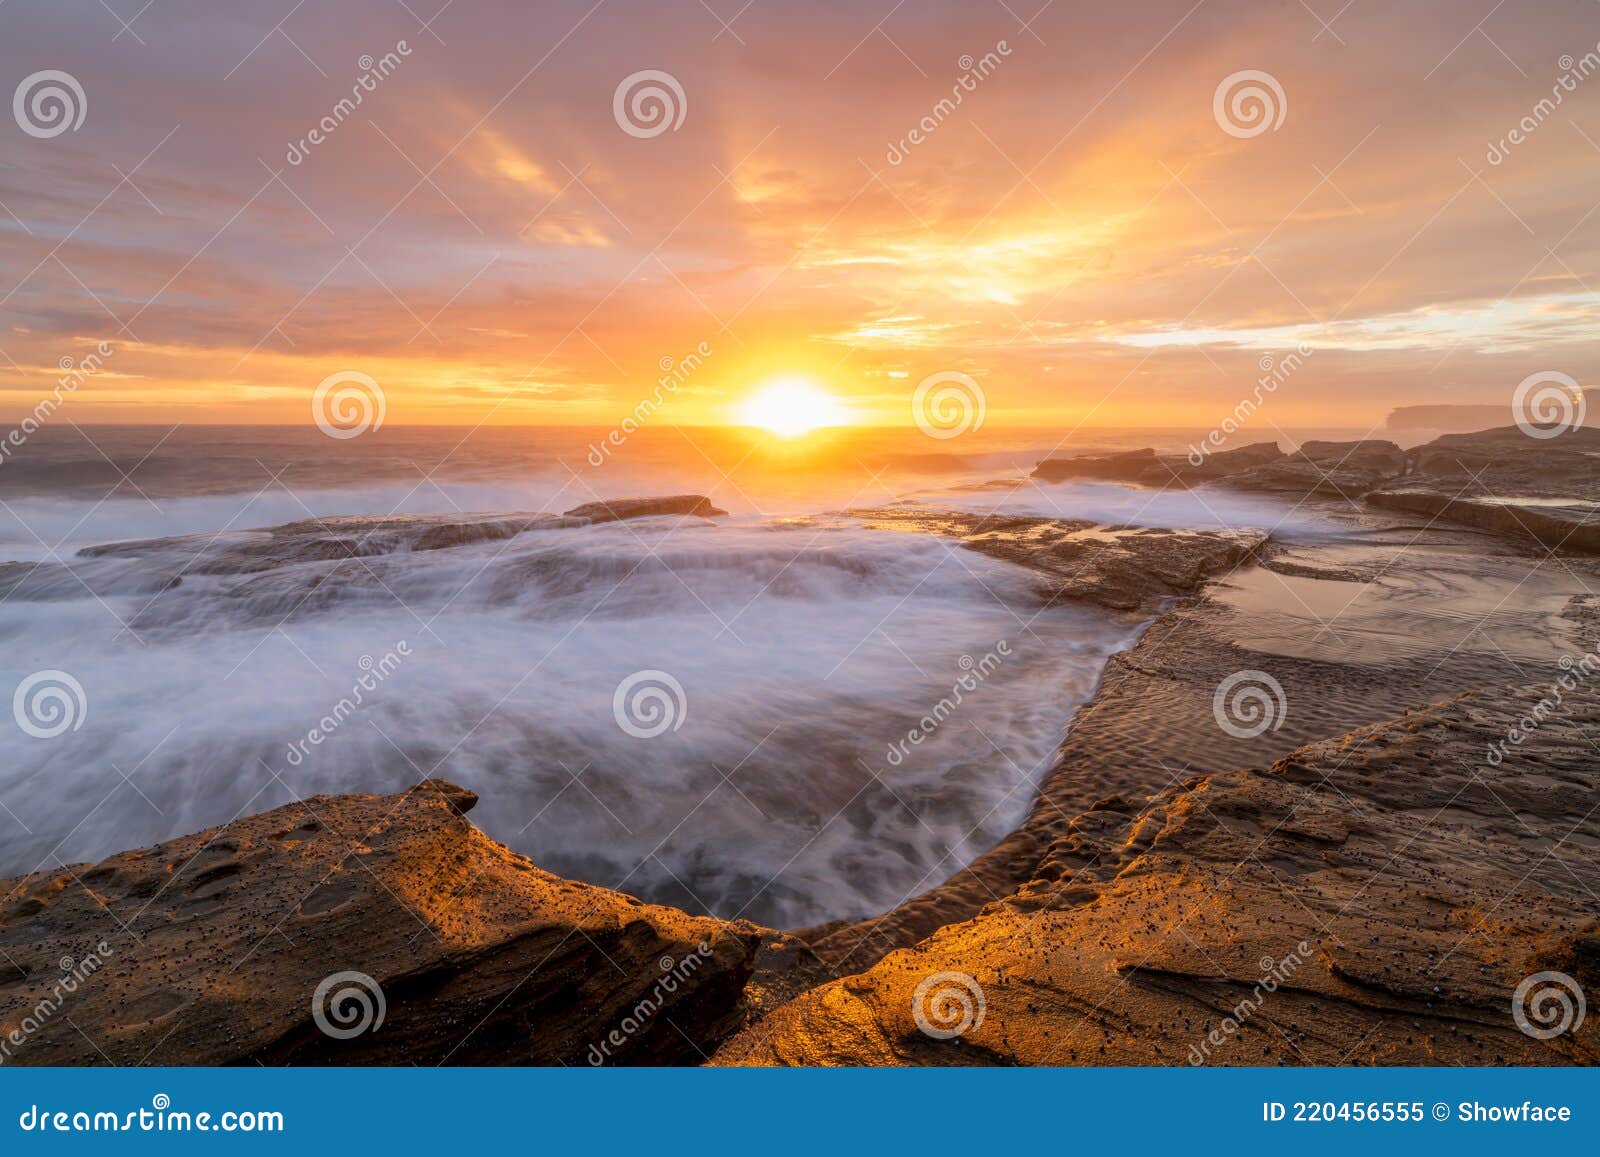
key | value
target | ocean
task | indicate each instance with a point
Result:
(777, 714)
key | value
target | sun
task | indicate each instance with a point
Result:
(790, 407)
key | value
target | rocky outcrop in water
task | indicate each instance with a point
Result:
(355, 930)
(1125, 568)
(1546, 490)
(1344, 470)
(362, 536)
(1148, 468)
(1543, 489)
(620, 509)
(292, 569)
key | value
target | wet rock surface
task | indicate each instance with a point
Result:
(275, 573)
(1125, 568)
(1366, 879)
(249, 942)
(1376, 898)
(1543, 490)
(1344, 470)
(1148, 468)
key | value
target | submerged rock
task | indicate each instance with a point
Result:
(1124, 568)
(356, 929)
(337, 537)
(296, 568)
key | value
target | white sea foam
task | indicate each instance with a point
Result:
(803, 653)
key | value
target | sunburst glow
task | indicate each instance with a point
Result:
(791, 407)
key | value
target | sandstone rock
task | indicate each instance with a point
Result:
(1571, 525)
(211, 950)
(1125, 568)
(337, 537)
(1543, 490)
(1344, 470)
(617, 509)
(1148, 468)
(1129, 466)
(1374, 899)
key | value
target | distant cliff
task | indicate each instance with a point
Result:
(1448, 419)
(1463, 419)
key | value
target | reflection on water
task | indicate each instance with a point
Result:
(1438, 603)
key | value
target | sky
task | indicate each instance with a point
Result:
(1094, 234)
